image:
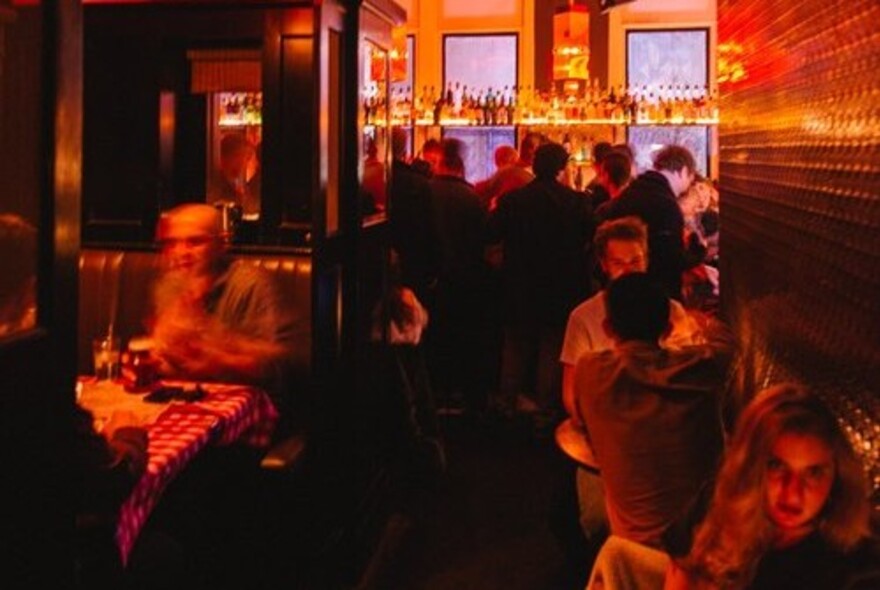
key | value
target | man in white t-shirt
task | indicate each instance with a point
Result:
(621, 247)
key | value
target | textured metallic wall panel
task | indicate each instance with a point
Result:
(800, 190)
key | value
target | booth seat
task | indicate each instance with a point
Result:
(116, 286)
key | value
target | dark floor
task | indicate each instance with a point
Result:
(487, 526)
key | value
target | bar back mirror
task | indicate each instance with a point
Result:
(375, 130)
(229, 83)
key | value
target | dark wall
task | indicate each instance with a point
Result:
(800, 190)
(131, 54)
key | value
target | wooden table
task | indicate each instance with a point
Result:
(177, 432)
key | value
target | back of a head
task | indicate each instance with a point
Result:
(625, 149)
(529, 146)
(431, 145)
(628, 229)
(600, 150)
(617, 168)
(638, 308)
(399, 143)
(453, 155)
(550, 158)
(673, 158)
(505, 155)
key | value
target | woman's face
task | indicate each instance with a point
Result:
(800, 473)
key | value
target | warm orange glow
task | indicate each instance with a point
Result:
(398, 55)
(571, 43)
(730, 63)
(377, 64)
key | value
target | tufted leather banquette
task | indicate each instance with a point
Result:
(115, 285)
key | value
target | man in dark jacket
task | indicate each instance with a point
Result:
(545, 229)
(653, 197)
(413, 234)
(459, 329)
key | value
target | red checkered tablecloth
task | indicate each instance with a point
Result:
(227, 414)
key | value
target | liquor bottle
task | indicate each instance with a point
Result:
(438, 109)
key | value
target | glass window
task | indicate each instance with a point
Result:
(648, 139)
(480, 144)
(480, 62)
(20, 167)
(668, 63)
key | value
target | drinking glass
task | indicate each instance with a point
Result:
(106, 356)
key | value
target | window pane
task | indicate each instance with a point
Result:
(663, 60)
(480, 62)
(480, 145)
(646, 140)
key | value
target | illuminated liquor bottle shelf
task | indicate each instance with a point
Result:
(551, 123)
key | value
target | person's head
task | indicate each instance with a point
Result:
(18, 263)
(627, 150)
(432, 153)
(505, 156)
(551, 161)
(621, 246)
(452, 157)
(191, 239)
(637, 307)
(789, 471)
(399, 143)
(788, 444)
(235, 154)
(600, 150)
(528, 147)
(615, 172)
(677, 164)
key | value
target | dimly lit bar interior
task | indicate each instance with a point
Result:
(440, 294)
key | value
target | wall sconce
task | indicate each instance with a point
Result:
(571, 42)
(398, 54)
(730, 63)
(377, 64)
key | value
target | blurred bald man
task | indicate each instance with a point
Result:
(215, 320)
(508, 176)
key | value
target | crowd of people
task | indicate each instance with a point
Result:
(534, 301)
(599, 308)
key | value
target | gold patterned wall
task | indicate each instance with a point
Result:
(800, 190)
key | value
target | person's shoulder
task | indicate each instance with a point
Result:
(594, 307)
(248, 274)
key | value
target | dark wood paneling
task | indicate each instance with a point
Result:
(132, 53)
(299, 127)
(800, 190)
(37, 370)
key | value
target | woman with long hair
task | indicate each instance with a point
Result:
(790, 507)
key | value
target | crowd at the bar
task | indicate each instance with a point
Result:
(521, 299)
(600, 308)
